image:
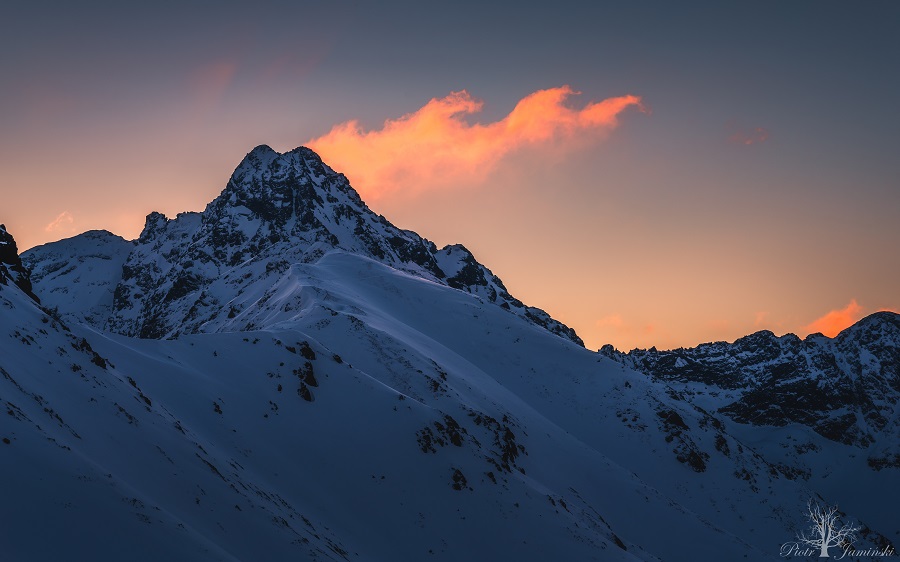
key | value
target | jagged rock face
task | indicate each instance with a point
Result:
(197, 272)
(845, 388)
(276, 210)
(11, 268)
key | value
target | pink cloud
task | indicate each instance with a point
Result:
(209, 84)
(62, 223)
(762, 318)
(615, 323)
(611, 321)
(738, 134)
(435, 147)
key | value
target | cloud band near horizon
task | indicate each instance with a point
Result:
(435, 147)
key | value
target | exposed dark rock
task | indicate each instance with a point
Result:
(459, 480)
(845, 388)
(11, 268)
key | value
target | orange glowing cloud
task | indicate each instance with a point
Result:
(832, 323)
(436, 147)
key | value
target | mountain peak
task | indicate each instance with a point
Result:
(883, 326)
(153, 224)
(262, 154)
(265, 161)
(879, 318)
(278, 212)
(262, 150)
(277, 187)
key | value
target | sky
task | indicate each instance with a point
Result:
(650, 173)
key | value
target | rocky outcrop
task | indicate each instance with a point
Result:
(845, 388)
(11, 268)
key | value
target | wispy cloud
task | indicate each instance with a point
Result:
(62, 223)
(746, 136)
(435, 147)
(615, 326)
(762, 318)
(209, 83)
(836, 320)
(612, 321)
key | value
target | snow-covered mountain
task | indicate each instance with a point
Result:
(218, 270)
(287, 375)
(846, 389)
(827, 406)
(78, 276)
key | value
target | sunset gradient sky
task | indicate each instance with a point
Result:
(650, 173)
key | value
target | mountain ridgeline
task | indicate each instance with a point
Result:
(846, 388)
(198, 271)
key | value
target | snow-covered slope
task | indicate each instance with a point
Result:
(78, 276)
(314, 383)
(352, 435)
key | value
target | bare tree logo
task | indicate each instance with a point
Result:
(827, 529)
